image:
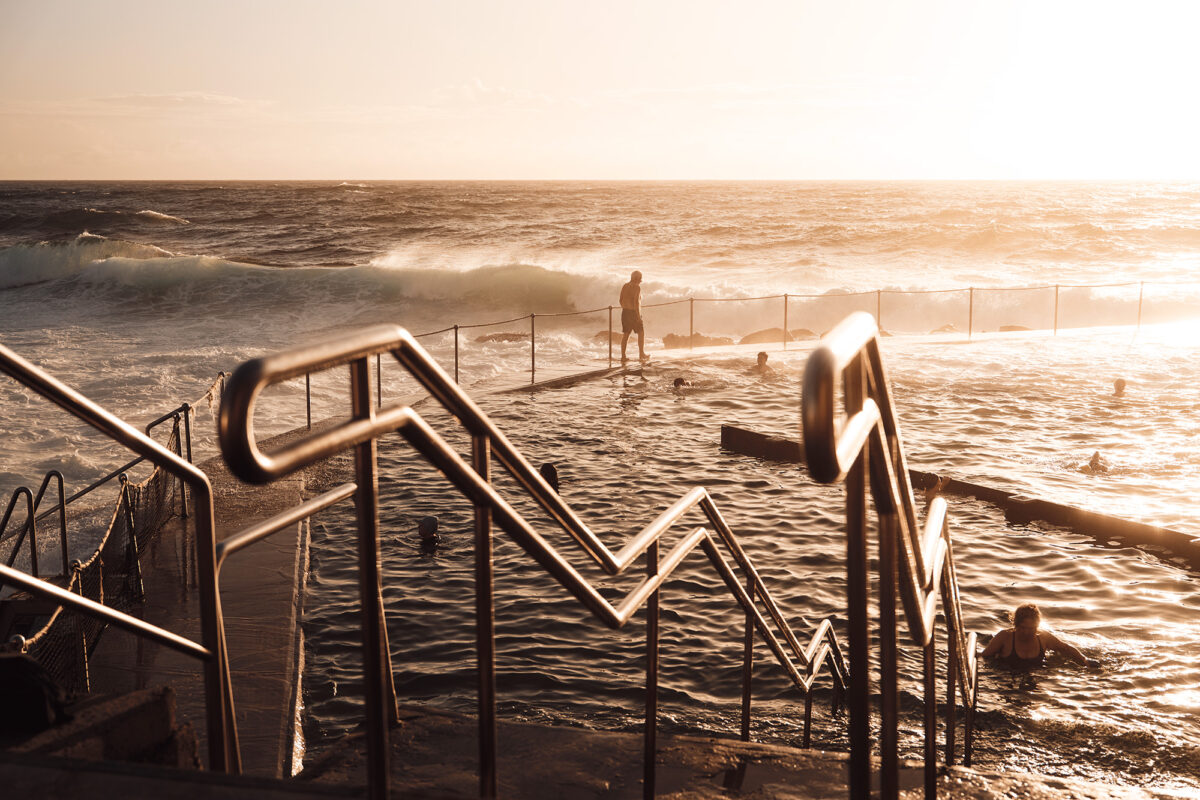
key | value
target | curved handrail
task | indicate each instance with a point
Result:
(247, 461)
(866, 439)
(222, 731)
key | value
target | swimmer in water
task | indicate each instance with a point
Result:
(680, 383)
(762, 368)
(1024, 646)
(1095, 466)
(1119, 387)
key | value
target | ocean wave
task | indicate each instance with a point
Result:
(158, 216)
(22, 265)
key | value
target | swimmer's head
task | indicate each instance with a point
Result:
(1027, 616)
(427, 528)
(1119, 387)
(680, 382)
(762, 358)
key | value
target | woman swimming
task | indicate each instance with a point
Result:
(1023, 646)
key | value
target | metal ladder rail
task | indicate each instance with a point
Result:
(222, 732)
(862, 445)
(369, 423)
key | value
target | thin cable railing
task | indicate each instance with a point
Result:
(784, 334)
(857, 446)
(367, 424)
(221, 725)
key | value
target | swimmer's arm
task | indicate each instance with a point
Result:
(1071, 652)
(995, 645)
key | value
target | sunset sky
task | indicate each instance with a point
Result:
(626, 90)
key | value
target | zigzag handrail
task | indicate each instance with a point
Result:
(842, 447)
(236, 433)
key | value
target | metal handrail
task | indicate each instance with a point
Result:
(865, 441)
(368, 423)
(222, 732)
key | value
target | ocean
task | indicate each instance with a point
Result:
(137, 294)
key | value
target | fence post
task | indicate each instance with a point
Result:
(1141, 290)
(308, 398)
(532, 349)
(857, 584)
(187, 435)
(889, 708)
(183, 504)
(691, 322)
(456, 353)
(610, 332)
(135, 551)
(379, 380)
(878, 310)
(785, 321)
(1056, 309)
(971, 313)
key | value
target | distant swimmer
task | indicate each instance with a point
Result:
(680, 383)
(1024, 646)
(1095, 466)
(631, 315)
(762, 367)
(1119, 387)
(427, 529)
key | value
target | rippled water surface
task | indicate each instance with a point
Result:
(1020, 415)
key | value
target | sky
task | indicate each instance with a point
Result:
(559, 89)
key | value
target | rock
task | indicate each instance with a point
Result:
(675, 341)
(505, 336)
(767, 336)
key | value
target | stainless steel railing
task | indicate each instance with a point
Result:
(368, 423)
(859, 444)
(221, 727)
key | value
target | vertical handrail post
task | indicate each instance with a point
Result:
(379, 380)
(1141, 291)
(308, 399)
(187, 437)
(610, 335)
(134, 550)
(369, 588)
(178, 435)
(856, 598)
(889, 707)
(485, 624)
(931, 716)
(1056, 309)
(952, 640)
(785, 321)
(456, 352)
(748, 661)
(970, 312)
(650, 752)
(691, 323)
(532, 348)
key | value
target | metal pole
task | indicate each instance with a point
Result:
(878, 310)
(651, 745)
(748, 663)
(1056, 309)
(971, 313)
(930, 717)
(485, 625)
(62, 522)
(889, 713)
(610, 334)
(456, 353)
(183, 506)
(187, 435)
(952, 640)
(369, 587)
(785, 323)
(691, 322)
(134, 555)
(379, 380)
(1141, 291)
(308, 398)
(858, 701)
(532, 349)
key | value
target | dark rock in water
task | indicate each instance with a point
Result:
(505, 336)
(945, 329)
(675, 341)
(603, 337)
(752, 443)
(768, 336)
(802, 333)
(1007, 328)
